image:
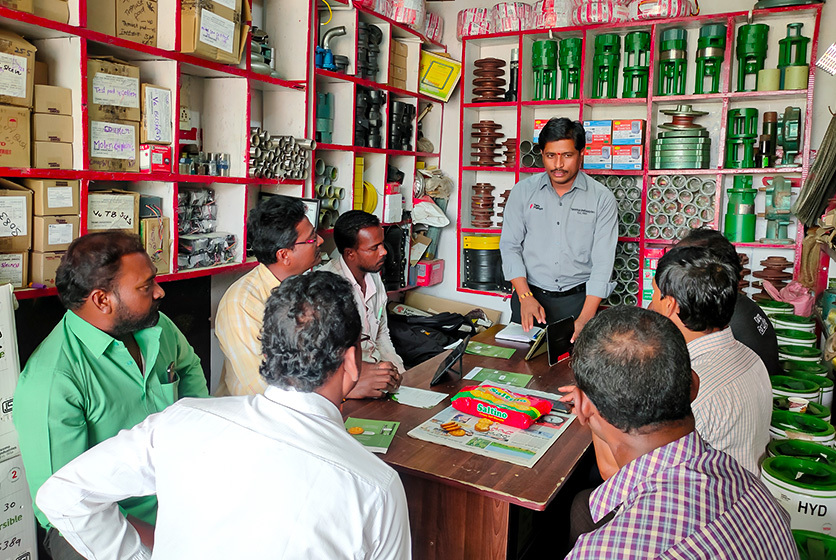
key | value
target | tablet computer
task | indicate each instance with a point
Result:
(450, 361)
(538, 346)
(559, 337)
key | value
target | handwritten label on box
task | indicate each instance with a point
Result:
(158, 114)
(112, 140)
(11, 269)
(12, 75)
(216, 31)
(59, 197)
(13, 216)
(59, 234)
(120, 91)
(110, 211)
(228, 3)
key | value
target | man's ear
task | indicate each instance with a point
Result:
(584, 408)
(283, 256)
(351, 364)
(101, 300)
(669, 306)
(695, 385)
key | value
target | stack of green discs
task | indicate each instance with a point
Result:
(772, 307)
(792, 337)
(799, 354)
(681, 144)
(795, 322)
(814, 409)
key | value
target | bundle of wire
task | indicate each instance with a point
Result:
(820, 185)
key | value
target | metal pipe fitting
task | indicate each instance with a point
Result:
(331, 34)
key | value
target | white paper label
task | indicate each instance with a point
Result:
(12, 75)
(111, 140)
(11, 269)
(13, 216)
(158, 114)
(59, 197)
(228, 3)
(216, 31)
(110, 211)
(121, 91)
(58, 234)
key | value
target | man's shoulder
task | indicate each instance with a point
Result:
(57, 351)
(247, 288)
(597, 189)
(333, 266)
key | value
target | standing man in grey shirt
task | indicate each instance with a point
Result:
(559, 234)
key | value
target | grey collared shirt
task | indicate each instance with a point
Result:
(557, 243)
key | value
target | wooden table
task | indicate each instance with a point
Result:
(459, 502)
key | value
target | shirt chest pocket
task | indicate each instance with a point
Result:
(580, 233)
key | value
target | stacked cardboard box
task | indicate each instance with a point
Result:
(113, 209)
(598, 152)
(55, 225)
(214, 30)
(52, 128)
(18, 59)
(113, 109)
(397, 64)
(628, 144)
(56, 10)
(134, 20)
(15, 233)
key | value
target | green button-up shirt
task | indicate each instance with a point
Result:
(81, 386)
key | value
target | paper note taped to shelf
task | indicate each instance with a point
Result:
(12, 75)
(12, 267)
(13, 216)
(216, 31)
(156, 115)
(112, 140)
(120, 91)
(110, 211)
(59, 197)
(59, 234)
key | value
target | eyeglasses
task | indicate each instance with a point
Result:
(313, 239)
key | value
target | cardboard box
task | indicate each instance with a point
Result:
(627, 157)
(156, 115)
(53, 197)
(19, 5)
(53, 100)
(52, 155)
(53, 233)
(212, 30)
(52, 128)
(538, 126)
(397, 73)
(114, 145)
(429, 273)
(112, 90)
(435, 304)
(42, 268)
(597, 156)
(17, 58)
(56, 10)
(156, 236)
(438, 75)
(112, 209)
(598, 132)
(14, 137)
(17, 523)
(14, 269)
(134, 20)
(628, 132)
(397, 60)
(397, 83)
(15, 217)
(398, 48)
(153, 159)
(41, 73)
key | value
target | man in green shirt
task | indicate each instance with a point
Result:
(111, 361)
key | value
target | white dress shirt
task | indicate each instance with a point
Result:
(265, 476)
(372, 309)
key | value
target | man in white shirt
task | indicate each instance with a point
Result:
(358, 236)
(272, 475)
(697, 290)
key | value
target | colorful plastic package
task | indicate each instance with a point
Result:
(501, 405)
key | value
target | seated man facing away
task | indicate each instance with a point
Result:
(359, 239)
(698, 291)
(273, 475)
(673, 495)
(111, 361)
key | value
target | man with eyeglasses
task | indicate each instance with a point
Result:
(359, 239)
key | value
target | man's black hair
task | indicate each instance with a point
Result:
(704, 286)
(93, 262)
(348, 225)
(310, 321)
(633, 364)
(716, 242)
(271, 226)
(561, 128)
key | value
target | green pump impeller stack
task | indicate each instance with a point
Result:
(711, 49)
(792, 51)
(751, 52)
(569, 61)
(636, 64)
(673, 57)
(741, 138)
(605, 66)
(544, 65)
(740, 219)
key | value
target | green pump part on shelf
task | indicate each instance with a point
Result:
(789, 135)
(636, 64)
(811, 544)
(739, 225)
(673, 55)
(569, 62)
(792, 49)
(605, 64)
(544, 67)
(711, 50)
(751, 53)
(741, 137)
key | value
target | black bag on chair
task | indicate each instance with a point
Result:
(418, 339)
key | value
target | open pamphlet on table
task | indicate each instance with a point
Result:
(514, 332)
(496, 440)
